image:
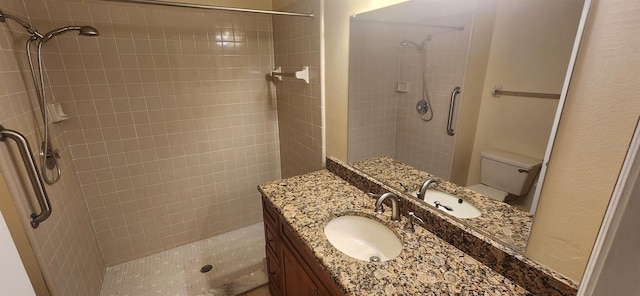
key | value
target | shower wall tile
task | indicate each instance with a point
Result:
(65, 245)
(173, 124)
(297, 44)
(426, 145)
(385, 122)
(373, 76)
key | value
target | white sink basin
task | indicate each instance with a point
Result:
(449, 203)
(363, 238)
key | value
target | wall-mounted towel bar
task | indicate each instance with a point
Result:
(497, 91)
(302, 74)
(34, 175)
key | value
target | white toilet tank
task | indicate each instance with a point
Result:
(507, 171)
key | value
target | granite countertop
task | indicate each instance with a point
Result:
(499, 220)
(427, 265)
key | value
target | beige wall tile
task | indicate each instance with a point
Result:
(300, 137)
(65, 232)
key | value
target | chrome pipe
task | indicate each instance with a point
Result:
(436, 26)
(452, 106)
(25, 25)
(34, 175)
(212, 7)
(497, 91)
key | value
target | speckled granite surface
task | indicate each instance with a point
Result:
(527, 273)
(427, 265)
(499, 220)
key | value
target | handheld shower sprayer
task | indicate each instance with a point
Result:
(48, 155)
(420, 46)
(423, 106)
(82, 30)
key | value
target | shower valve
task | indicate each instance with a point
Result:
(422, 107)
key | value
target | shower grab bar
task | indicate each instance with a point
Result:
(212, 7)
(497, 91)
(34, 175)
(452, 105)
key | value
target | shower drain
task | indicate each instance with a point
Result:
(206, 268)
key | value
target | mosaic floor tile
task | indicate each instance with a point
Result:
(237, 266)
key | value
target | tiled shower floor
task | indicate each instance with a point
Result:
(236, 256)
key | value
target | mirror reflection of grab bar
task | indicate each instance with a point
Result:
(34, 175)
(452, 106)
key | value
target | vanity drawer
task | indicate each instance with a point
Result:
(271, 237)
(270, 214)
(275, 274)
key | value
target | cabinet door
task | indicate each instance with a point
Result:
(297, 281)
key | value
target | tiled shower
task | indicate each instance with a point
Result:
(173, 125)
(384, 121)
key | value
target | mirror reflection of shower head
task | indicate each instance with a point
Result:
(416, 45)
(82, 30)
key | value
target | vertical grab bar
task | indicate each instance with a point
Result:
(34, 175)
(452, 106)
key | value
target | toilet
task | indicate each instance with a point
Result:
(503, 173)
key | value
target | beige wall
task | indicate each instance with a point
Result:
(65, 245)
(337, 14)
(594, 133)
(20, 266)
(530, 50)
(469, 109)
(297, 44)
(615, 267)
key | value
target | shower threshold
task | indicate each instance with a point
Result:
(236, 259)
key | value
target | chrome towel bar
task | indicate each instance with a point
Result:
(34, 175)
(497, 91)
(302, 74)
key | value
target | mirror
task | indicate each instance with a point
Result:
(521, 46)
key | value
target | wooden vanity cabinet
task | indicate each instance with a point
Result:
(291, 266)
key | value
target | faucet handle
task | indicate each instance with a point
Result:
(404, 186)
(409, 226)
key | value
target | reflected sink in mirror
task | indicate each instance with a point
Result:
(363, 238)
(450, 204)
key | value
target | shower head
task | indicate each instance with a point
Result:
(407, 42)
(82, 30)
(417, 46)
(25, 25)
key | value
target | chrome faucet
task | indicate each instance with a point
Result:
(395, 208)
(425, 185)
